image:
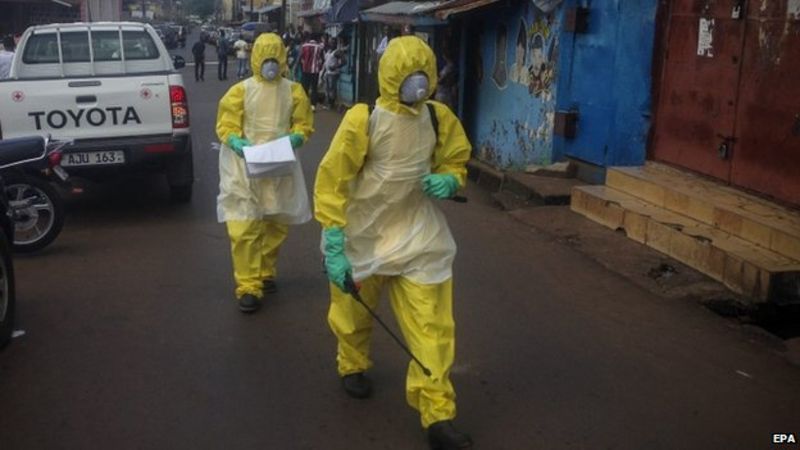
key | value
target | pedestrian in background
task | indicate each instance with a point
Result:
(6, 56)
(311, 59)
(447, 89)
(199, 53)
(223, 47)
(242, 55)
(333, 66)
(258, 211)
(292, 57)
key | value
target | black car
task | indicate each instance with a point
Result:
(13, 151)
(168, 35)
(7, 292)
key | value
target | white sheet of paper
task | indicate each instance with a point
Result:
(277, 151)
(258, 170)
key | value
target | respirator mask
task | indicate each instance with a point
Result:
(414, 88)
(270, 70)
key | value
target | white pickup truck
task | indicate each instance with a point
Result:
(110, 86)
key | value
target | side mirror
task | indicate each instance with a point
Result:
(178, 62)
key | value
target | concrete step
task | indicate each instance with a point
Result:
(751, 218)
(515, 190)
(746, 268)
(541, 190)
(485, 175)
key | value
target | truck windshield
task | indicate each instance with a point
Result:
(43, 48)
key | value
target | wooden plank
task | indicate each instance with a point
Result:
(601, 210)
(626, 181)
(742, 266)
(751, 218)
(635, 226)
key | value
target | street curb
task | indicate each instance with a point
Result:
(485, 175)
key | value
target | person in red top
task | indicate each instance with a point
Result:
(311, 54)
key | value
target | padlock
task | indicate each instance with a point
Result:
(738, 8)
(723, 149)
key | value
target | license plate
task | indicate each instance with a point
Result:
(93, 158)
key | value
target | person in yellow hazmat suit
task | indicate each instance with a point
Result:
(257, 211)
(374, 197)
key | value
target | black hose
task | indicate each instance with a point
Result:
(352, 289)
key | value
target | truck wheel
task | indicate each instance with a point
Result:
(7, 293)
(180, 176)
(37, 212)
(180, 194)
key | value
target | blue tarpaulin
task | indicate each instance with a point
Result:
(344, 11)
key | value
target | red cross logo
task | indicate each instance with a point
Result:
(146, 94)
(18, 96)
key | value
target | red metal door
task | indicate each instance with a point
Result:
(766, 156)
(696, 111)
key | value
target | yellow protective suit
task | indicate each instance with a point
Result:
(370, 184)
(258, 210)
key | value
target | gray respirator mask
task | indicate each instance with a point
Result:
(414, 88)
(270, 70)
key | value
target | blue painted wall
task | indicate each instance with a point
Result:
(512, 65)
(606, 76)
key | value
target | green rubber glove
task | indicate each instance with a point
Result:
(297, 140)
(440, 185)
(336, 263)
(236, 144)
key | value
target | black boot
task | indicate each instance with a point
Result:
(269, 286)
(249, 303)
(357, 385)
(444, 436)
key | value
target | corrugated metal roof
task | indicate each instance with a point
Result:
(262, 10)
(313, 12)
(406, 8)
(460, 6)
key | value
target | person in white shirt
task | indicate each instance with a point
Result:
(6, 56)
(333, 65)
(388, 34)
(241, 57)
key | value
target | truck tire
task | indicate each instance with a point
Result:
(180, 176)
(43, 220)
(7, 293)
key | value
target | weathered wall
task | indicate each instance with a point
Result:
(607, 78)
(512, 65)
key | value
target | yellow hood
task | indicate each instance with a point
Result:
(267, 46)
(403, 56)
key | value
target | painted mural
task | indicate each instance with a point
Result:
(517, 109)
(542, 42)
(499, 74)
(519, 70)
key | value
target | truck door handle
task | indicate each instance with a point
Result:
(90, 83)
(86, 99)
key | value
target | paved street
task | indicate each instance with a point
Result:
(132, 340)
